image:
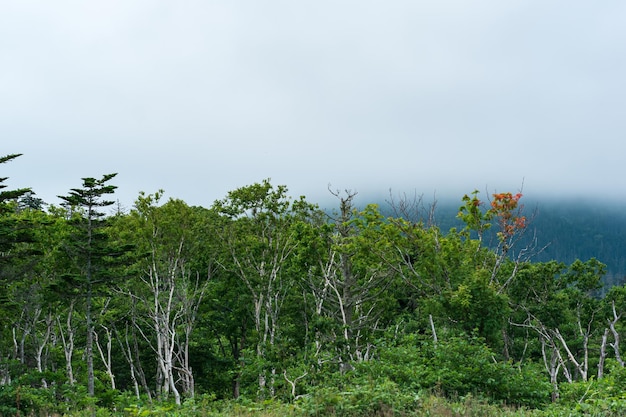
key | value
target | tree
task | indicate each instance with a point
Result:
(11, 231)
(260, 238)
(348, 275)
(614, 302)
(9, 195)
(557, 303)
(89, 248)
(173, 278)
(25, 303)
(507, 212)
(364, 247)
(16, 259)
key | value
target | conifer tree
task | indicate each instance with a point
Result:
(89, 248)
(9, 195)
(10, 233)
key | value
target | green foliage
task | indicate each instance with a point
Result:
(473, 214)
(42, 392)
(478, 306)
(606, 396)
(360, 398)
(8, 196)
(458, 366)
(292, 311)
(585, 276)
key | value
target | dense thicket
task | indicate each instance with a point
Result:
(266, 298)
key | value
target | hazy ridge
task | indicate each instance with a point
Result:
(560, 229)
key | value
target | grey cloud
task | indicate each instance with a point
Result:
(199, 98)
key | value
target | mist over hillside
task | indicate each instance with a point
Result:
(559, 229)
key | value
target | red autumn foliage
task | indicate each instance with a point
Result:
(506, 208)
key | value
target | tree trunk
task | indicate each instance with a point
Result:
(106, 356)
(68, 343)
(616, 339)
(602, 354)
(128, 355)
(89, 322)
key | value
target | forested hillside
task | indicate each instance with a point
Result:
(265, 304)
(581, 231)
(565, 230)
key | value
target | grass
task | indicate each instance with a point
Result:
(429, 405)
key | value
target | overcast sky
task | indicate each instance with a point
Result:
(201, 97)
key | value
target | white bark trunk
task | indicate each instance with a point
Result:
(616, 337)
(68, 343)
(106, 356)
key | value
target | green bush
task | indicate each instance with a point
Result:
(33, 392)
(459, 366)
(606, 397)
(380, 397)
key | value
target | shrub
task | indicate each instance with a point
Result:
(459, 366)
(362, 398)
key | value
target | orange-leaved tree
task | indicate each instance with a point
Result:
(505, 211)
